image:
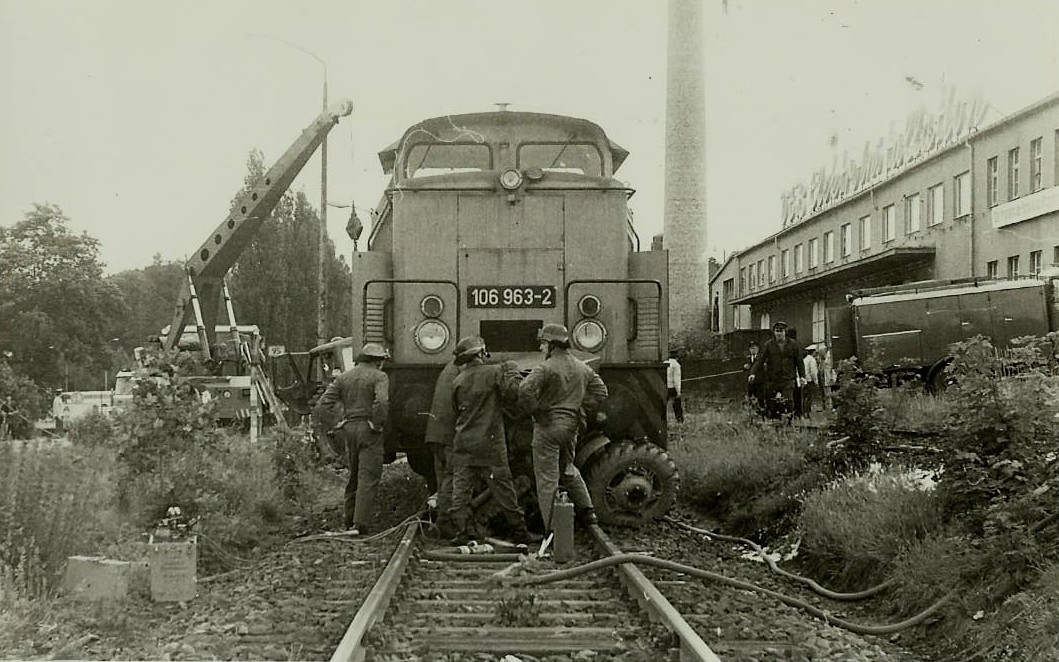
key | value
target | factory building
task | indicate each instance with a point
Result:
(947, 199)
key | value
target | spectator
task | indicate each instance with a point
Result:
(811, 385)
(778, 367)
(673, 380)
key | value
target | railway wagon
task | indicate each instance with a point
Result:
(495, 224)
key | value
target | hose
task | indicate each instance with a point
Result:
(640, 559)
(817, 588)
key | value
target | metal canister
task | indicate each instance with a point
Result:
(563, 527)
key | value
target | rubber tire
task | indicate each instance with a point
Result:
(616, 459)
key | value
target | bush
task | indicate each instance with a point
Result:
(853, 530)
(92, 429)
(54, 502)
(858, 416)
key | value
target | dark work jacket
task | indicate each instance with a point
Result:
(364, 393)
(562, 384)
(478, 393)
(777, 366)
(441, 426)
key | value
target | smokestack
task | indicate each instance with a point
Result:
(684, 234)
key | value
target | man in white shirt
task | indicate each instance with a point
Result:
(811, 383)
(673, 386)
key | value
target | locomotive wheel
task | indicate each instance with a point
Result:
(632, 484)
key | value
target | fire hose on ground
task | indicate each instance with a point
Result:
(641, 559)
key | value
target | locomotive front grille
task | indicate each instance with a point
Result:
(510, 335)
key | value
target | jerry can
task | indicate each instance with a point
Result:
(563, 527)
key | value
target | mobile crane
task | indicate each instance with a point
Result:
(206, 270)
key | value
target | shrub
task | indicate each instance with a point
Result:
(92, 429)
(858, 416)
(855, 528)
(53, 503)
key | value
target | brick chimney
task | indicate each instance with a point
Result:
(685, 189)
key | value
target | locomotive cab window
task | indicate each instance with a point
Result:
(574, 158)
(431, 159)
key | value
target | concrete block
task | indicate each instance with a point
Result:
(173, 570)
(96, 578)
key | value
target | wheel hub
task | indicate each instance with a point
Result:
(632, 492)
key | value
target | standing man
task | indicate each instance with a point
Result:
(673, 385)
(754, 390)
(441, 428)
(8, 410)
(479, 446)
(556, 394)
(363, 391)
(812, 380)
(778, 367)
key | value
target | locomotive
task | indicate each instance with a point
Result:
(494, 224)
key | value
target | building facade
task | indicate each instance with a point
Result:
(985, 207)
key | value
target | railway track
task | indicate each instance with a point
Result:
(435, 605)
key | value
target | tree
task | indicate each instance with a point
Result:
(55, 307)
(274, 282)
(150, 294)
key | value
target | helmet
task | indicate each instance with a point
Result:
(554, 332)
(468, 348)
(373, 351)
(779, 325)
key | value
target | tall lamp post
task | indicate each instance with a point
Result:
(321, 282)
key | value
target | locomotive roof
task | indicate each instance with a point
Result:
(498, 124)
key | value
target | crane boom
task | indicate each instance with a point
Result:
(208, 266)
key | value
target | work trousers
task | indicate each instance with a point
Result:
(443, 474)
(554, 440)
(501, 485)
(364, 457)
(678, 405)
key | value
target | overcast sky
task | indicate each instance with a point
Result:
(137, 117)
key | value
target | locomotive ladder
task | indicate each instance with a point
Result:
(449, 605)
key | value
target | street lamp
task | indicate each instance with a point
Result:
(321, 299)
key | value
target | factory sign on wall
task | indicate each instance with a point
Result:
(925, 133)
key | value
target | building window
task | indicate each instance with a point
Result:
(1055, 256)
(1013, 173)
(819, 321)
(912, 207)
(785, 263)
(846, 236)
(1013, 266)
(889, 223)
(992, 269)
(961, 195)
(829, 247)
(799, 258)
(1036, 164)
(761, 273)
(865, 232)
(992, 189)
(742, 280)
(936, 204)
(814, 253)
(772, 268)
(1036, 258)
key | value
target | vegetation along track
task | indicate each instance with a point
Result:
(436, 604)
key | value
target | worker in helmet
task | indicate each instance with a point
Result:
(441, 428)
(363, 392)
(557, 393)
(479, 445)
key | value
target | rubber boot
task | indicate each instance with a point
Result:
(587, 516)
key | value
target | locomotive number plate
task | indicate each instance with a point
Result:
(511, 296)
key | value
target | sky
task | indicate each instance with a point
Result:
(136, 117)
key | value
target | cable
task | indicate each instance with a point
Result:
(640, 559)
(827, 593)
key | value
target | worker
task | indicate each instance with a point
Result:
(557, 393)
(441, 428)
(363, 392)
(812, 376)
(479, 445)
(754, 390)
(8, 412)
(778, 367)
(673, 385)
